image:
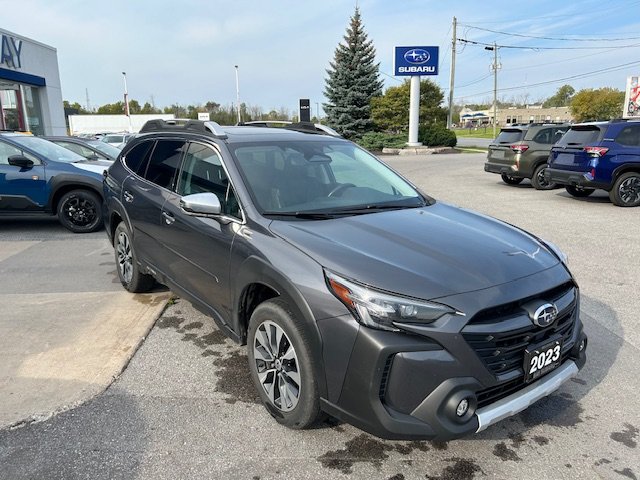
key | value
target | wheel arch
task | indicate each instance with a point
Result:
(258, 281)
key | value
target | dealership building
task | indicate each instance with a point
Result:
(30, 94)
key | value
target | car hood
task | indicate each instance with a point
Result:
(95, 166)
(427, 253)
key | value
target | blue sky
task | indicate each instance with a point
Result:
(185, 51)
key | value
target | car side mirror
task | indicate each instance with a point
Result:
(92, 157)
(20, 161)
(201, 204)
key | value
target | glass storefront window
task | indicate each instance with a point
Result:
(31, 99)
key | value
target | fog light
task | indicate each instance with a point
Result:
(583, 344)
(463, 407)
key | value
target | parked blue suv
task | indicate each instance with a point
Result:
(38, 177)
(604, 155)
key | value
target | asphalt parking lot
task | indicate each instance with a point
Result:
(185, 408)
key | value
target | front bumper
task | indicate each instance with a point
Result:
(572, 178)
(403, 386)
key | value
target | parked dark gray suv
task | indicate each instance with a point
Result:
(357, 295)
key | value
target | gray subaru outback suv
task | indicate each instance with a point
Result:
(357, 295)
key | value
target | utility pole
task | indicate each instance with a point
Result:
(126, 102)
(495, 67)
(88, 103)
(238, 95)
(452, 74)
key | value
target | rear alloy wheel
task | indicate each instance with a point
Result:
(579, 192)
(626, 190)
(282, 366)
(128, 269)
(80, 211)
(539, 182)
(509, 180)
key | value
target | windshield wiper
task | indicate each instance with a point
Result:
(372, 208)
(304, 215)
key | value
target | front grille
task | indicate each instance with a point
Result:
(493, 394)
(502, 351)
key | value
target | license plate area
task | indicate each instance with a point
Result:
(541, 358)
(497, 154)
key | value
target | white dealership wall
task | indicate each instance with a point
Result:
(41, 60)
(92, 124)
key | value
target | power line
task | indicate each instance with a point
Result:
(565, 39)
(572, 77)
(519, 47)
(475, 81)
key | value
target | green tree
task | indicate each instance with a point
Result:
(599, 104)
(148, 109)
(391, 110)
(111, 109)
(562, 97)
(353, 80)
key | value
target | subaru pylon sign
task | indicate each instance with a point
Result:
(410, 61)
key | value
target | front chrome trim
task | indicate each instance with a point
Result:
(522, 399)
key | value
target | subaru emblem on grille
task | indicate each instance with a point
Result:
(544, 315)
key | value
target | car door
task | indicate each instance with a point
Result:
(21, 189)
(145, 191)
(200, 248)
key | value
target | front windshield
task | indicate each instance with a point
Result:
(292, 177)
(49, 149)
(105, 148)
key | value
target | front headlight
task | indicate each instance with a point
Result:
(557, 252)
(380, 310)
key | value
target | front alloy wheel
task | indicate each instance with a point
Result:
(124, 257)
(277, 366)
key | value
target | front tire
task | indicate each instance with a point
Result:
(80, 211)
(282, 366)
(509, 180)
(538, 181)
(579, 192)
(626, 190)
(126, 264)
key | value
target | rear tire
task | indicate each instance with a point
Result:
(538, 181)
(626, 190)
(80, 211)
(126, 264)
(282, 366)
(578, 192)
(509, 180)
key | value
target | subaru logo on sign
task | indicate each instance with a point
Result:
(545, 315)
(417, 56)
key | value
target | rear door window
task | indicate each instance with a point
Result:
(510, 135)
(580, 136)
(164, 162)
(544, 136)
(136, 158)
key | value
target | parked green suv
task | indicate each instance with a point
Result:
(521, 151)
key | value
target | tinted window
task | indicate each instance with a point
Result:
(164, 162)
(544, 136)
(511, 135)
(136, 158)
(202, 172)
(580, 136)
(629, 136)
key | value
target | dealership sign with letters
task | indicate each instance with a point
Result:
(10, 53)
(409, 61)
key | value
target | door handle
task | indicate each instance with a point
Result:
(168, 218)
(127, 197)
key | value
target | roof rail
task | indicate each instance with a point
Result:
(181, 124)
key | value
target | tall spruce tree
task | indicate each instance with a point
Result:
(353, 80)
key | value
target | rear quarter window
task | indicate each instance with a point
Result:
(510, 135)
(136, 158)
(629, 136)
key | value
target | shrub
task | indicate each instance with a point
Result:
(436, 135)
(376, 141)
